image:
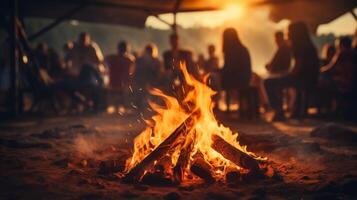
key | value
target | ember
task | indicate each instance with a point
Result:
(189, 134)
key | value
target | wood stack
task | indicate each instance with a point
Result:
(199, 166)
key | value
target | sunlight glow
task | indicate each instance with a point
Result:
(230, 12)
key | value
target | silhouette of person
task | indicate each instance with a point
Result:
(172, 60)
(212, 63)
(84, 51)
(175, 55)
(280, 63)
(147, 73)
(148, 67)
(237, 70)
(121, 67)
(212, 67)
(304, 72)
(341, 70)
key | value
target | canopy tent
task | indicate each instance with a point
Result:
(312, 12)
(135, 13)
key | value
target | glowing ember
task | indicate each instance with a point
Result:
(196, 142)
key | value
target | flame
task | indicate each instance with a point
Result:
(197, 96)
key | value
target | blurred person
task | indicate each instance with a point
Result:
(340, 76)
(121, 69)
(172, 59)
(278, 66)
(148, 67)
(42, 56)
(147, 73)
(237, 69)
(280, 63)
(212, 67)
(121, 66)
(304, 72)
(327, 53)
(340, 72)
(212, 63)
(175, 55)
(84, 51)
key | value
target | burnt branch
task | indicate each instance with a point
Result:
(233, 154)
(137, 171)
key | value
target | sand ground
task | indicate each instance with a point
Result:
(60, 158)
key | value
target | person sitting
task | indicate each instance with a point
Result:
(340, 75)
(342, 68)
(237, 69)
(304, 73)
(121, 69)
(278, 66)
(280, 63)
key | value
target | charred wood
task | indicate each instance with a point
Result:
(202, 169)
(233, 154)
(137, 171)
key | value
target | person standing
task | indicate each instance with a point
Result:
(172, 60)
(147, 73)
(121, 69)
(212, 67)
(148, 68)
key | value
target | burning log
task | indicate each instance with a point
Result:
(233, 154)
(136, 172)
(182, 161)
(202, 169)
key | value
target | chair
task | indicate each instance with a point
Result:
(248, 103)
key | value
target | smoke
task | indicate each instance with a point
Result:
(86, 145)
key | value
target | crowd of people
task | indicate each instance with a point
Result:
(295, 68)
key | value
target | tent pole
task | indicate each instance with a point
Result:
(57, 22)
(14, 60)
(174, 25)
(175, 10)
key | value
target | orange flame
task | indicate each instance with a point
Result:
(169, 117)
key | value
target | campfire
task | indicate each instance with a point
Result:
(184, 141)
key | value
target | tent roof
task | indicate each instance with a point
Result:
(135, 12)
